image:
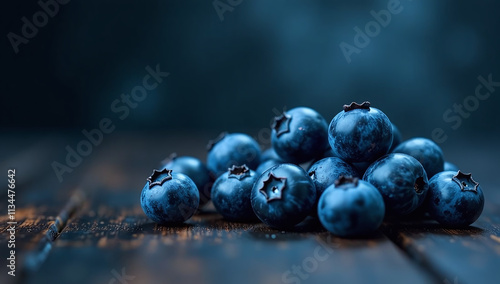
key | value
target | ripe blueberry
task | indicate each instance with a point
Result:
(169, 197)
(401, 180)
(232, 149)
(351, 207)
(283, 196)
(299, 135)
(360, 133)
(454, 199)
(231, 194)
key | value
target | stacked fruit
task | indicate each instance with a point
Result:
(360, 174)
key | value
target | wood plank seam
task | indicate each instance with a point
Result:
(36, 258)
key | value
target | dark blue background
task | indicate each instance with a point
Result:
(230, 74)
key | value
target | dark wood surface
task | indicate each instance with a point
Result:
(90, 227)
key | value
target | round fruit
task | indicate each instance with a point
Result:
(232, 149)
(283, 196)
(299, 135)
(231, 194)
(360, 133)
(401, 180)
(351, 207)
(454, 199)
(169, 197)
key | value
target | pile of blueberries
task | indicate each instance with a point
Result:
(359, 171)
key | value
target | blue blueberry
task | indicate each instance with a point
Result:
(195, 169)
(299, 135)
(351, 207)
(232, 149)
(454, 199)
(231, 194)
(401, 180)
(397, 138)
(450, 167)
(326, 171)
(428, 153)
(169, 197)
(360, 133)
(283, 196)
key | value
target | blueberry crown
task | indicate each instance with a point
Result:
(465, 181)
(346, 180)
(238, 172)
(211, 143)
(159, 177)
(272, 187)
(281, 123)
(354, 105)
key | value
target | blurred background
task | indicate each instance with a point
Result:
(233, 64)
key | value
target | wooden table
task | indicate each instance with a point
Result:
(90, 228)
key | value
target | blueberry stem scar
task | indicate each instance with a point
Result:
(282, 123)
(238, 172)
(354, 105)
(159, 177)
(342, 180)
(465, 181)
(275, 192)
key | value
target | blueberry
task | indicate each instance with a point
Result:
(231, 194)
(169, 197)
(454, 199)
(266, 165)
(195, 169)
(232, 149)
(299, 135)
(401, 180)
(360, 133)
(351, 207)
(428, 153)
(283, 196)
(396, 137)
(326, 171)
(450, 167)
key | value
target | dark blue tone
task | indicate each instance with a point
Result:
(450, 167)
(196, 170)
(397, 138)
(172, 201)
(326, 171)
(401, 180)
(283, 196)
(299, 135)
(360, 134)
(428, 153)
(351, 209)
(454, 199)
(232, 149)
(231, 194)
